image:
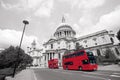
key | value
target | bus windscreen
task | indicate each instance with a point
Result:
(91, 57)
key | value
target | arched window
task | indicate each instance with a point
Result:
(70, 33)
(51, 46)
(112, 40)
(59, 56)
(50, 55)
(53, 55)
(117, 51)
(45, 57)
(98, 52)
(65, 33)
(60, 33)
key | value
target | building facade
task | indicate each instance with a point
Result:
(36, 55)
(100, 43)
(103, 44)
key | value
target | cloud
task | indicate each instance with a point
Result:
(77, 29)
(90, 4)
(110, 20)
(32, 3)
(9, 6)
(12, 37)
(85, 21)
(21, 4)
(38, 7)
(85, 4)
(45, 9)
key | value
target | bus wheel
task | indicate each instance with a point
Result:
(80, 68)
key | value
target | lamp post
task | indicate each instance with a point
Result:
(17, 61)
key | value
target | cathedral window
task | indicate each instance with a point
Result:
(51, 46)
(45, 46)
(94, 39)
(85, 41)
(59, 56)
(58, 42)
(59, 47)
(95, 43)
(60, 33)
(65, 32)
(118, 53)
(112, 40)
(103, 38)
(45, 57)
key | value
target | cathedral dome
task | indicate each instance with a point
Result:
(64, 30)
(65, 27)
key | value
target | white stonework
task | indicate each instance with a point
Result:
(64, 40)
(36, 54)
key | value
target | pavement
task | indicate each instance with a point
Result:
(28, 74)
(109, 67)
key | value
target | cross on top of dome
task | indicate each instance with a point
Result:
(63, 19)
(33, 43)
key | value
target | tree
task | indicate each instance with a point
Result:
(109, 56)
(9, 57)
(118, 35)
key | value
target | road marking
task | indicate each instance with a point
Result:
(35, 78)
(95, 77)
(66, 73)
(84, 75)
(62, 72)
(93, 73)
(114, 75)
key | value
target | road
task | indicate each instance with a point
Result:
(60, 74)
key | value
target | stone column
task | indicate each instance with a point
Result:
(53, 55)
(48, 56)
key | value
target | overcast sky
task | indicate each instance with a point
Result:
(44, 16)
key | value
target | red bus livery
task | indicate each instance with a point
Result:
(79, 60)
(53, 64)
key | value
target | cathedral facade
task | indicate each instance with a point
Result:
(100, 43)
(36, 55)
(103, 44)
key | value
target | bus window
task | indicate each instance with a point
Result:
(85, 61)
(79, 53)
(93, 61)
(68, 63)
(89, 53)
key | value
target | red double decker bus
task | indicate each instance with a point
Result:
(53, 63)
(79, 60)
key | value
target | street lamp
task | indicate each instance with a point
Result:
(17, 61)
